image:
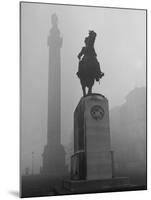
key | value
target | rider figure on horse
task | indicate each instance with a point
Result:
(89, 67)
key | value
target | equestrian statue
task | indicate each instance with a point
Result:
(89, 67)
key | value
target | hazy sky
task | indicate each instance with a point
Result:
(120, 46)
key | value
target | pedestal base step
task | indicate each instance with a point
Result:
(130, 187)
(95, 185)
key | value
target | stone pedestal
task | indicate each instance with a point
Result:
(92, 164)
(92, 154)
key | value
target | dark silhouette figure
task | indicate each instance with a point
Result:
(89, 67)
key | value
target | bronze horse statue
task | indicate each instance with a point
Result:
(89, 67)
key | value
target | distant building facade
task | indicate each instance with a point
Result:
(128, 132)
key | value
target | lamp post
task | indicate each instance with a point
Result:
(32, 163)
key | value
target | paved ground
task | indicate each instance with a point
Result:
(37, 185)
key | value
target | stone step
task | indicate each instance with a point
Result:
(92, 185)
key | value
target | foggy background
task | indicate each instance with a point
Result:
(121, 51)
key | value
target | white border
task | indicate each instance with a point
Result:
(9, 99)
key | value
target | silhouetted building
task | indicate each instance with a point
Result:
(128, 131)
(54, 154)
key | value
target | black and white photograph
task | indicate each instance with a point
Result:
(83, 104)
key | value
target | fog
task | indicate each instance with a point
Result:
(121, 51)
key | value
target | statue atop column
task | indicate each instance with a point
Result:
(89, 67)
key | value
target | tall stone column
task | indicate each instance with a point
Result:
(54, 154)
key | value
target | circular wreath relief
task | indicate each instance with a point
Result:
(97, 112)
